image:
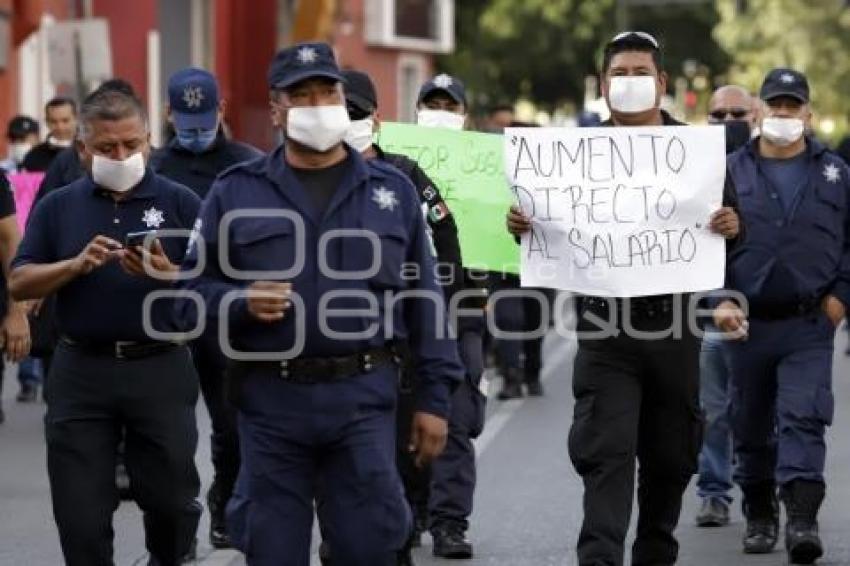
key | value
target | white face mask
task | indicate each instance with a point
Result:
(55, 142)
(318, 127)
(360, 134)
(782, 131)
(19, 150)
(118, 176)
(632, 94)
(440, 119)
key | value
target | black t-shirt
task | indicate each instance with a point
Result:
(40, 157)
(7, 208)
(321, 184)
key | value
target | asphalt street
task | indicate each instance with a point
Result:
(528, 503)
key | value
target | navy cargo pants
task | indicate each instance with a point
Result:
(781, 399)
(331, 442)
(453, 473)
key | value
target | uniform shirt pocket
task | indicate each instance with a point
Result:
(380, 254)
(268, 246)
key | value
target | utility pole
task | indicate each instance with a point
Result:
(622, 16)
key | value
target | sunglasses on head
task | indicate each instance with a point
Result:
(641, 34)
(722, 113)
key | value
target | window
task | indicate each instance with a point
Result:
(418, 25)
(416, 18)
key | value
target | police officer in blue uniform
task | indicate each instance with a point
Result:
(442, 103)
(195, 156)
(793, 268)
(110, 372)
(304, 256)
(457, 462)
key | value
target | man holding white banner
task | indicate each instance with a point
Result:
(629, 218)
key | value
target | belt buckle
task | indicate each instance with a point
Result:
(119, 349)
(366, 363)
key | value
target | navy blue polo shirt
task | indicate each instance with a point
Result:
(106, 304)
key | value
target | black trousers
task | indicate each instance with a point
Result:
(211, 364)
(442, 493)
(637, 398)
(91, 399)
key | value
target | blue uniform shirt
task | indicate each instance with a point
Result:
(794, 256)
(198, 171)
(373, 197)
(106, 304)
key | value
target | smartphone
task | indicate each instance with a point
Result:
(137, 239)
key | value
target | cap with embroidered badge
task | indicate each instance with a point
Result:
(785, 82)
(193, 98)
(443, 83)
(301, 62)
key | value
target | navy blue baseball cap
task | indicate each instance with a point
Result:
(193, 97)
(303, 61)
(443, 83)
(785, 82)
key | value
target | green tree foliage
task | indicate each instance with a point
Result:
(812, 36)
(542, 50)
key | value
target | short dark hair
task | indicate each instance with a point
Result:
(632, 43)
(111, 103)
(59, 101)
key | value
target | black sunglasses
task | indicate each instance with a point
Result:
(722, 113)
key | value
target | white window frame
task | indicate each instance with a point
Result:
(380, 28)
(406, 105)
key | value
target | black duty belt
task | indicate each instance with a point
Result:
(324, 369)
(783, 311)
(639, 307)
(126, 350)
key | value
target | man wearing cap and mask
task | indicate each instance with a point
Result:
(732, 107)
(195, 156)
(793, 268)
(442, 103)
(312, 300)
(635, 399)
(454, 476)
(22, 136)
(110, 372)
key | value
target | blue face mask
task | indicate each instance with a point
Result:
(196, 141)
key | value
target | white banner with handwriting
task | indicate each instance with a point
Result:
(619, 212)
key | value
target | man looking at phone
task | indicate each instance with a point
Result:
(108, 373)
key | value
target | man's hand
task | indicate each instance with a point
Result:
(15, 333)
(725, 222)
(730, 319)
(159, 267)
(834, 309)
(96, 254)
(268, 300)
(517, 222)
(428, 437)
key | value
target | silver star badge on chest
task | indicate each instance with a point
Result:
(831, 173)
(384, 198)
(153, 218)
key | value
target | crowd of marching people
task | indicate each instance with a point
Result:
(276, 285)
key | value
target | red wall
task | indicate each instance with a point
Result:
(129, 24)
(246, 39)
(26, 17)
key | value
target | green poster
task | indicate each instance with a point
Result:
(467, 168)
